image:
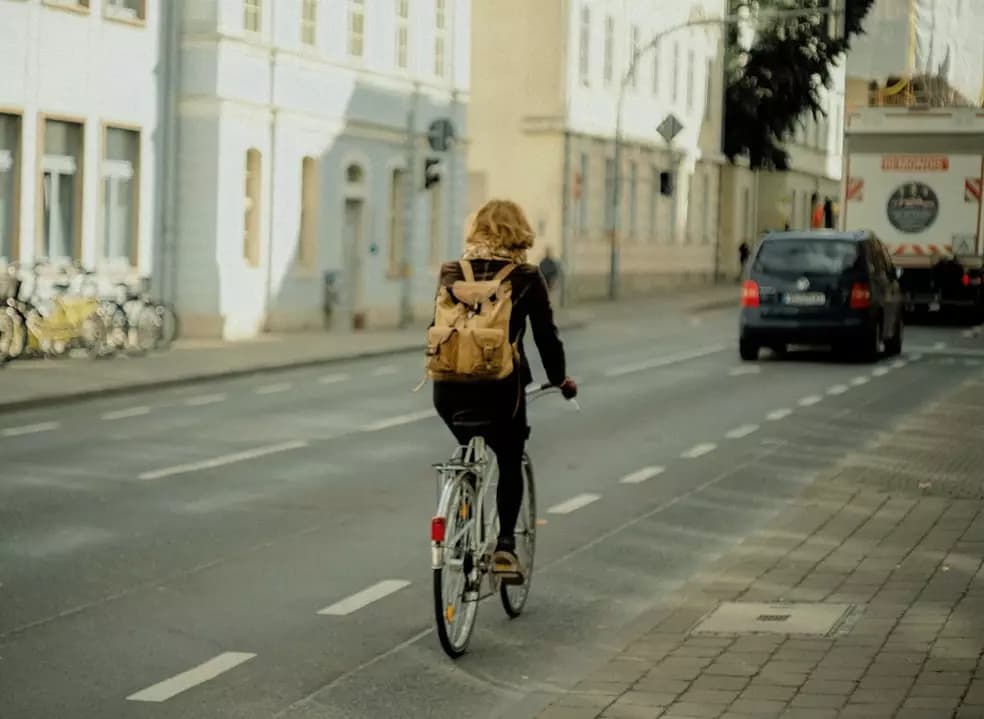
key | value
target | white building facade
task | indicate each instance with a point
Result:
(79, 141)
(299, 188)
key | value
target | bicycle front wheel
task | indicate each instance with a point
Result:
(514, 596)
(457, 580)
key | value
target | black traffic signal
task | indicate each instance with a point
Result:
(666, 183)
(431, 174)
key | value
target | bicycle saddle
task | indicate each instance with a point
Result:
(471, 419)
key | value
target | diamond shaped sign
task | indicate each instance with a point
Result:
(669, 128)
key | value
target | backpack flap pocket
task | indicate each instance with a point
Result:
(489, 354)
(442, 350)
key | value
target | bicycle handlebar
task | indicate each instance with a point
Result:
(536, 391)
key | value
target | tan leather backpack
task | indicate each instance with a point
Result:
(469, 340)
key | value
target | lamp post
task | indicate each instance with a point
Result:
(833, 10)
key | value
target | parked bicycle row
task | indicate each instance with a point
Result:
(53, 310)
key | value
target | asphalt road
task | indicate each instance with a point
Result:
(167, 554)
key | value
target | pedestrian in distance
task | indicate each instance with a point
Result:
(744, 252)
(550, 268)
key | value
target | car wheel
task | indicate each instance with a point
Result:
(893, 347)
(749, 351)
(780, 349)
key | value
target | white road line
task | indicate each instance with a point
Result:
(383, 371)
(574, 503)
(665, 361)
(899, 364)
(880, 371)
(399, 420)
(333, 378)
(858, 381)
(739, 371)
(778, 414)
(126, 413)
(274, 388)
(743, 431)
(939, 346)
(915, 357)
(810, 400)
(224, 460)
(204, 399)
(365, 597)
(642, 475)
(969, 334)
(837, 389)
(193, 677)
(699, 450)
(28, 429)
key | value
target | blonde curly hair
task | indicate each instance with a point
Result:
(499, 230)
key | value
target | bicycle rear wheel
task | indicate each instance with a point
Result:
(514, 596)
(456, 581)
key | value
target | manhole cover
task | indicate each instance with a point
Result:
(797, 618)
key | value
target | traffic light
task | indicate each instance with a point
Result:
(431, 174)
(666, 183)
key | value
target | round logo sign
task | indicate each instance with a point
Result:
(913, 207)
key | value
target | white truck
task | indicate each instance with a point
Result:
(913, 176)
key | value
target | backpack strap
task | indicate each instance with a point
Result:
(502, 274)
(467, 271)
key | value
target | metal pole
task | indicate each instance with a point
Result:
(616, 193)
(409, 205)
(565, 220)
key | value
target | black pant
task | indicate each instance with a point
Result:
(503, 406)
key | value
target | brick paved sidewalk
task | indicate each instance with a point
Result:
(904, 547)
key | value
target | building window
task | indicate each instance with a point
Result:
(309, 22)
(397, 225)
(10, 135)
(356, 28)
(609, 193)
(633, 50)
(252, 15)
(132, 10)
(708, 90)
(633, 199)
(609, 50)
(676, 72)
(402, 33)
(654, 204)
(584, 200)
(120, 195)
(81, 5)
(584, 59)
(307, 238)
(656, 68)
(691, 80)
(251, 220)
(438, 239)
(440, 36)
(61, 187)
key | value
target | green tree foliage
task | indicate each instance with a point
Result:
(776, 81)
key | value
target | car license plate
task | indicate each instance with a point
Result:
(934, 306)
(805, 299)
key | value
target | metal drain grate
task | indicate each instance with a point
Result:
(813, 619)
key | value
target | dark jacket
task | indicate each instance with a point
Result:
(531, 301)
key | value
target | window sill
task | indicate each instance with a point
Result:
(76, 9)
(132, 22)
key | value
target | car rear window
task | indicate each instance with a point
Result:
(831, 257)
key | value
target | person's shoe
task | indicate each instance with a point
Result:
(506, 564)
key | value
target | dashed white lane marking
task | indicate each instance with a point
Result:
(399, 420)
(739, 371)
(699, 450)
(858, 381)
(179, 683)
(224, 460)
(969, 334)
(837, 389)
(778, 414)
(666, 361)
(880, 371)
(365, 597)
(274, 388)
(333, 378)
(899, 364)
(810, 400)
(28, 429)
(126, 413)
(384, 371)
(915, 357)
(939, 346)
(743, 431)
(205, 399)
(574, 503)
(642, 475)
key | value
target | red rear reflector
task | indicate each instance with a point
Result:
(860, 296)
(750, 294)
(437, 529)
(966, 280)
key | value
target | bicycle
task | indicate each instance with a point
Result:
(464, 532)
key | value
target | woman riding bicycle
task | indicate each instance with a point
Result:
(500, 235)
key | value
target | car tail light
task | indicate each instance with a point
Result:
(438, 526)
(860, 296)
(750, 294)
